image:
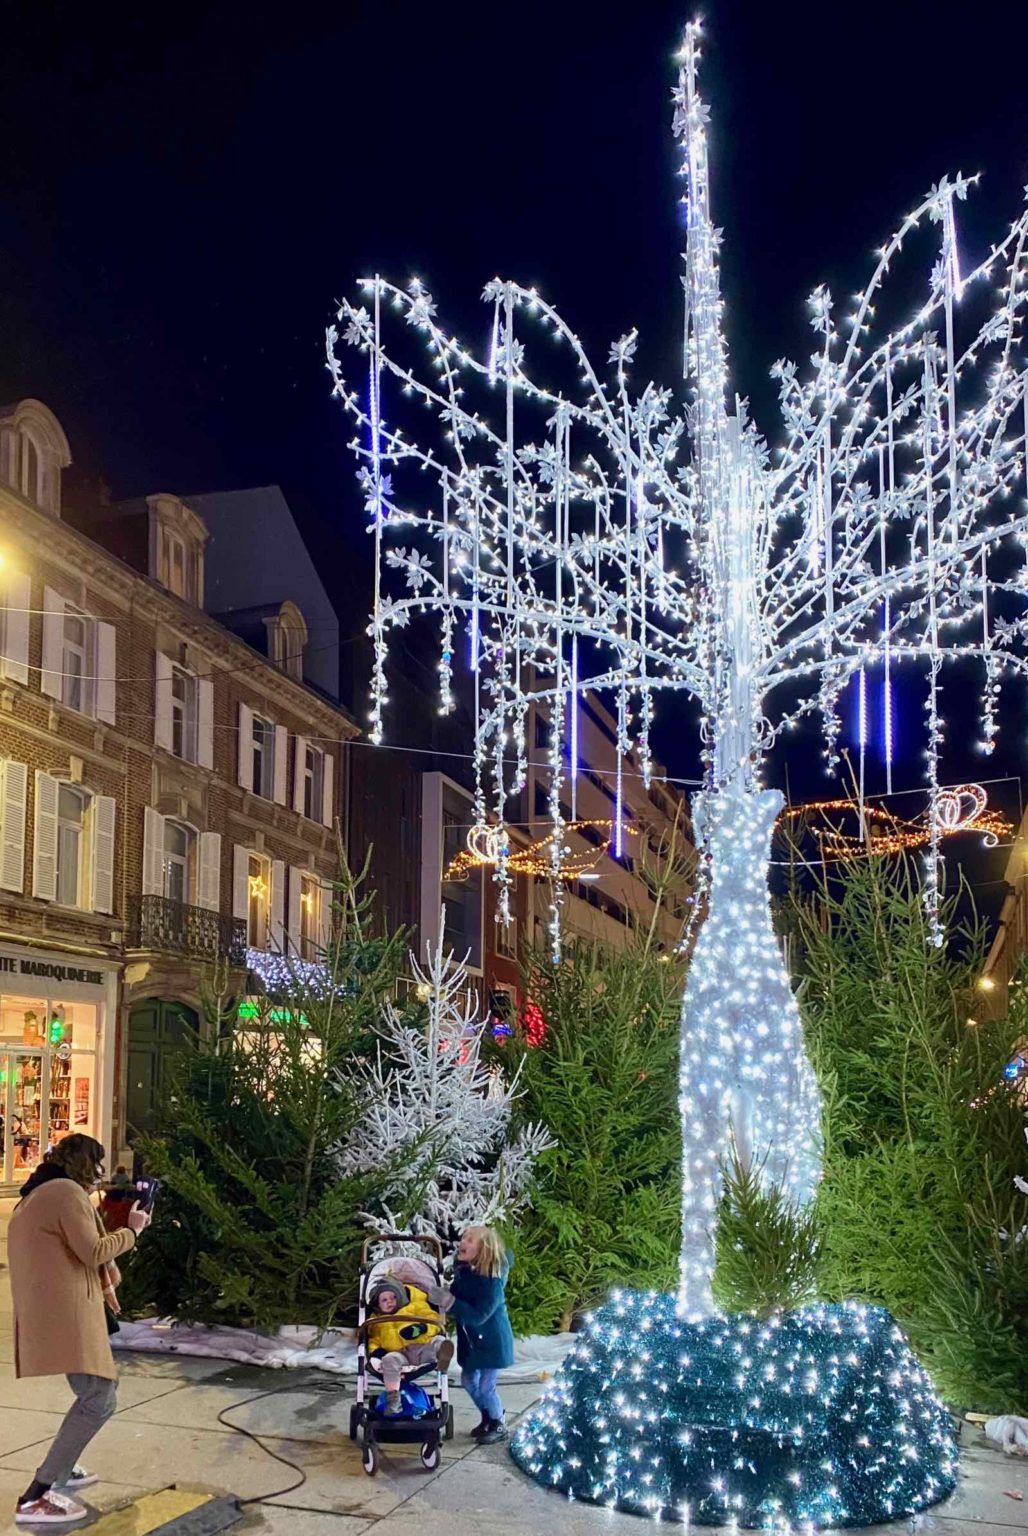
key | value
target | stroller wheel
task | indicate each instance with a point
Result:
(430, 1455)
(448, 1431)
(369, 1458)
(354, 1411)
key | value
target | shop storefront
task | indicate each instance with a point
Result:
(56, 1043)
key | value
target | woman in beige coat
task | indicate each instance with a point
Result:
(58, 1252)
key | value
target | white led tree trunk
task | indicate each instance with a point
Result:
(586, 535)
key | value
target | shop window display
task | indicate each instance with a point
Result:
(47, 1078)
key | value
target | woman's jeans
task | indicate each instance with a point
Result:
(481, 1388)
(95, 1401)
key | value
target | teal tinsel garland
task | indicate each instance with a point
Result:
(819, 1417)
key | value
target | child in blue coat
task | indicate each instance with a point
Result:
(485, 1339)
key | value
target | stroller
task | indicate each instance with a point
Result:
(373, 1427)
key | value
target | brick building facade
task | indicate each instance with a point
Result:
(169, 799)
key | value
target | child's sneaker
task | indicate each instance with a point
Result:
(394, 1402)
(494, 1430)
(445, 1355)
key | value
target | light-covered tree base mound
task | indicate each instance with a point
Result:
(818, 1417)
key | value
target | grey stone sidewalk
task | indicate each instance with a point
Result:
(167, 1432)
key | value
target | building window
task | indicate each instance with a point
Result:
(72, 807)
(263, 757)
(258, 901)
(506, 938)
(183, 714)
(179, 843)
(462, 897)
(31, 467)
(287, 639)
(175, 564)
(76, 684)
(310, 918)
(313, 782)
(177, 538)
(33, 451)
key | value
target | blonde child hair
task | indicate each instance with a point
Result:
(490, 1254)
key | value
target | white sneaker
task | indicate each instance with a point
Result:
(80, 1478)
(52, 1508)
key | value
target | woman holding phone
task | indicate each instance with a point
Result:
(59, 1256)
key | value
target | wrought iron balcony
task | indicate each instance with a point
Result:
(173, 927)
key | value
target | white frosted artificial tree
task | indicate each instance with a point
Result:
(586, 534)
(443, 1113)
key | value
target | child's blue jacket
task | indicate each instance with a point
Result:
(485, 1339)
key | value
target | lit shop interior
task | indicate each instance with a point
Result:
(48, 1078)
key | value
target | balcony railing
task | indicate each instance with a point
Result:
(157, 922)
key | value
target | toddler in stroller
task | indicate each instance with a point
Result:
(404, 1331)
(401, 1338)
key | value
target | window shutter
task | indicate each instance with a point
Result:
(209, 881)
(205, 722)
(295, 908)
(12, 853)
(162, 701)
(299, 762)
(16, 629)
(278, 904)
(153, 852)
(44, 841)
(245, 747)
(240, 881)
(281, 761)
(102, 862)
(328, 798)
(53, 649)
(326, 896)
(106, 672)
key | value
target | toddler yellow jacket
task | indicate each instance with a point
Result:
(416, 1323)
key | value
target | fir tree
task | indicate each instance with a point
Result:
(920, 1208)
(256, 1226)
(604, 1079)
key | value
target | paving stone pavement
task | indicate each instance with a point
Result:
(167, 1431)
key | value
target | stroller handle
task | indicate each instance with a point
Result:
(428, 1241)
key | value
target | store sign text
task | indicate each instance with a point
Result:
(53, 972)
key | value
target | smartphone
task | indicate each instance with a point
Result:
(147, 1191)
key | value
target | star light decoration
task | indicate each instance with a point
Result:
(596, 535)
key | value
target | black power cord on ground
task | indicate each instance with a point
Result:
(239, 1430)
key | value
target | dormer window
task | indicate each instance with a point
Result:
(175, 565)
(30, 467)
(177, 539)
(287, 639)
(33, 452)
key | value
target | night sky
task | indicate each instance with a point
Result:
(185, 190)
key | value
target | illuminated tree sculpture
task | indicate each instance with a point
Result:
(590, 535)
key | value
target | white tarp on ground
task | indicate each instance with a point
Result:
(1011, 1432)
(299, 1349)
